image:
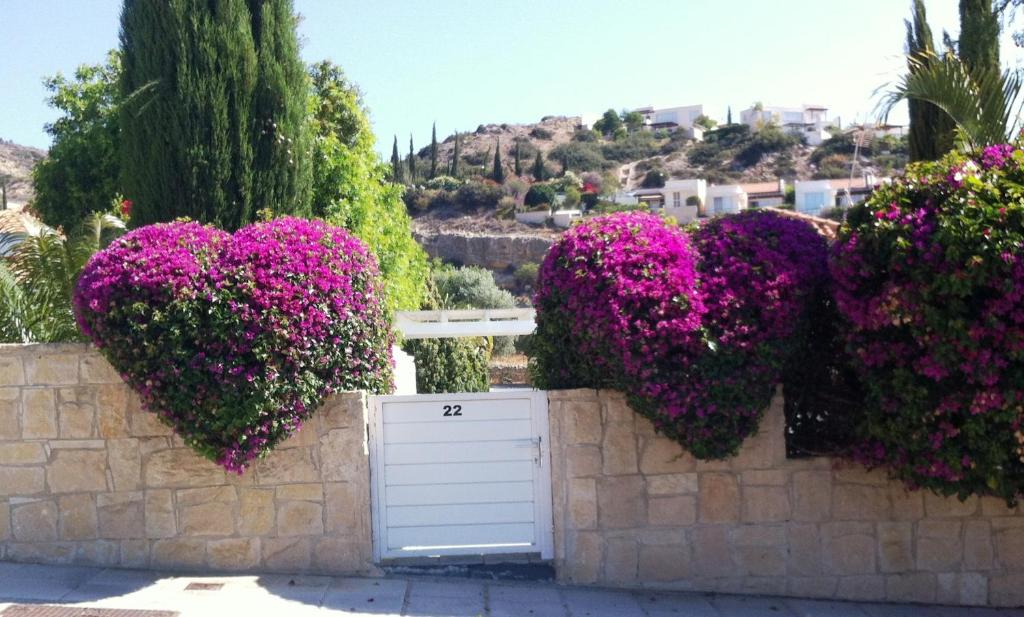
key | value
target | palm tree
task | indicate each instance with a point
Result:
(985, 105)
(38, 279)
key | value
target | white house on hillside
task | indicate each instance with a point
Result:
(681, 199)
(814, 196)
(810, 121)
(725, 199)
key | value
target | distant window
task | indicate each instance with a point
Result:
(719, 205)
(676, 201)
(755, 204)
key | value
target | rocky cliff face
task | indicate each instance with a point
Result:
(499, 253)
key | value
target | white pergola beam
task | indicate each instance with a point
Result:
(465, 323)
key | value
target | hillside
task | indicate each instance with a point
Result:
(16, 163)
(729, 154)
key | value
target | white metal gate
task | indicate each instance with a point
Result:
(461, 474)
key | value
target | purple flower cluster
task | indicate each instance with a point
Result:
(694, 329)
(930, 278)
(234, 340)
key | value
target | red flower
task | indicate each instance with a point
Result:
(126, 207)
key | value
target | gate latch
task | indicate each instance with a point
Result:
(535, 444)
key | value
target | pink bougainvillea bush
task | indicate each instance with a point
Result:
(694, 330)
(930, 276)
(234, 340)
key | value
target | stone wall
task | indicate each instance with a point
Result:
(492, 251)
(87, 477)
(631, 510)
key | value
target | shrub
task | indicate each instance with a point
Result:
(446, 183)
(930, 275)
(655, 179)
(541, 133)
(474, 195)
(234, 341)
(579, 156)
(526, 274)
(450, 364)
(639, 145)
(697, 333)
(539, 194)
(471, 287)
(586, 136)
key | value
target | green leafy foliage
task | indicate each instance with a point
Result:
(470, 287)
(80, 175)
(450, 364)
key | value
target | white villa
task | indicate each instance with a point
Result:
(810, 121)
(814, 196)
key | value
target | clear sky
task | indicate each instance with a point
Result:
(466, 62)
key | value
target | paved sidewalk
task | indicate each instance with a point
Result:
(300, 596)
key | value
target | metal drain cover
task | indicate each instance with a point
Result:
(39, 610)
(204, 586)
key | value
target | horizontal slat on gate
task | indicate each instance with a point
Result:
(460, 535)
(468, 514)
(424, 432)
(442, 494)
(412, 453)
(448, 473)
(509, 409)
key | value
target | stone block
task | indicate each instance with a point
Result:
(78, 519)
(291, 465)
(125, 463)
(621, 502)
(213, 518)
(812, 586)
(345, 505)
(256, 511)
(939, 547)
(35, 521)
(992, 507)
(12, 371)
(342, 453)
(286, 554)
(5, 521)
(39, 414)
(76, 412)
(759, 535)
(1010, 548)
(53, 553)
(75, 471)
(98, 553)
(112, 411)
(855, 474)
(159, 514)
(760, 560)
(969, 588)
(121, 515)
(719, 498)
(860, 502)
(661, 455)
(911, 587)
(10, 413)
(301, 492)
(848, 549)
(583, 461)
(765, 504)
(22, 481)
(978, 551)
(21, 453)
(180, 467)
(712, 552)
(864, 588)
(672, 511)
(765, 477)
(134, 553)
(144, 423)
(582, 503)
(188, 553)
(342, 555)
(804, 544)
(672, 484)
(907, 505)
(300, 518)
(210, 494)
(582, 422)
(584, 559)
(896, 547)
(664, 563)
(618, 449)
(1006, 590)
(51, 369)
(233, 554)
(615, 409)
(96, 370)
(620, 561)
(937, 506)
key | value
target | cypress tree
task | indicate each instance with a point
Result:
(931, 130)
(433, 151)
(396, 163)
(979, 36)
(728, 115)
(213, 124)
(499, 172)
(519, 162)
(455, 157)
(538, 167)
(412, 162)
